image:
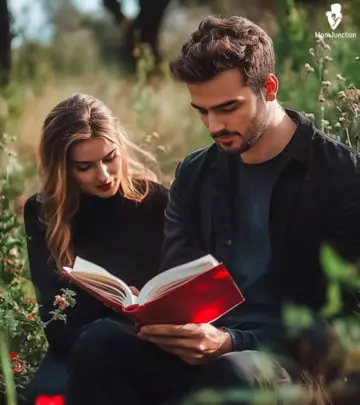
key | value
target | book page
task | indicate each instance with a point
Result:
(92, 281)
(108, 294)
(92, 274)
(175, 276)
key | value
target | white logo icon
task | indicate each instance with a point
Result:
(334, 16)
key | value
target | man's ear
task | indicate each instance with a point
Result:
(271, 86)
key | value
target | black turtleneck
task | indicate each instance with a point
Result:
(120, 235)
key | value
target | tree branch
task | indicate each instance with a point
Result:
(115, 9)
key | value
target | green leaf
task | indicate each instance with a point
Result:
(6, 217)
(338, 270)
(335, 268)
(333, 302)
(12, 244)
(296, 318)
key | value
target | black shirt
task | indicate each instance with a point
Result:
(120, 235)
(250, 265)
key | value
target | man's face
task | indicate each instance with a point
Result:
(235, 116)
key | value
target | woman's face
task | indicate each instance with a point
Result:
(96, 166)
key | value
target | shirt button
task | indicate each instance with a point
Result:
(228, 242)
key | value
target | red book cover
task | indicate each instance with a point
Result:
(202, 298)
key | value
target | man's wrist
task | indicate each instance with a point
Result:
(226, 347)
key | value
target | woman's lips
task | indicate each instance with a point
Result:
(106, 186)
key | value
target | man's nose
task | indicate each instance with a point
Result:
(103, 173)
(214, 124)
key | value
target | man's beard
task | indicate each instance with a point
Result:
(253, 132)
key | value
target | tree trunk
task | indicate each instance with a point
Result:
(115, 9)
(148, 23)
(5, 43)
(144, 29)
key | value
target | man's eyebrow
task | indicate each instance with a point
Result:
(84, 161)
(219, 106)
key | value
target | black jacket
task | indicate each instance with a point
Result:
(120, 235)
(316, 199)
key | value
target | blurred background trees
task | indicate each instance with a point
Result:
(292, 22)
(5, 43)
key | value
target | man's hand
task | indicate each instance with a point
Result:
(193, 343)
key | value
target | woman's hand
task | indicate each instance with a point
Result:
(134, 290)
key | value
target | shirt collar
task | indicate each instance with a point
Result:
(299, 146)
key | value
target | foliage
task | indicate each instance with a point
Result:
(18, 311)
(339, 102)
(335, 61)
(21, 325)
(21, 330)
(328, 98)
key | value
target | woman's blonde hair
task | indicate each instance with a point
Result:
(80, 117)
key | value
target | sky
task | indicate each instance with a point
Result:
(32, 20)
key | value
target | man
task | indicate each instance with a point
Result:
(262, 199)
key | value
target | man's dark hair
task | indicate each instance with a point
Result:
(220, 44)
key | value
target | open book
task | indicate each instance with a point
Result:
(199, 291)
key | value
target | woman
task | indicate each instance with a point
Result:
(97, 202)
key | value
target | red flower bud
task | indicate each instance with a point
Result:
(19, 366)
(50, 400)
(61, 302)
